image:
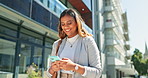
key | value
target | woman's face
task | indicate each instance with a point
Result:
(69, 26)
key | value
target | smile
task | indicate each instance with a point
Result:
(67, 30)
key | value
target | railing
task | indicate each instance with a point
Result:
(109, 24)
(109, 8)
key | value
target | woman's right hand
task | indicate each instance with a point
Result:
(54, 67)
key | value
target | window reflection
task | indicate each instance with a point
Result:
(7, 31)
(7, 55)
(24, 56)
(46, 60)
(37, 57)
(54, 5)
(31, 36)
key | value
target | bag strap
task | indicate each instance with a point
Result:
(59, 43)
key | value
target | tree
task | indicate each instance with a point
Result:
(139, 63)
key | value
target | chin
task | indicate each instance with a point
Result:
(68, 34)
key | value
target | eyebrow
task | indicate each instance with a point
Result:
(67, 21)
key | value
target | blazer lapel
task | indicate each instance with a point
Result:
(78, 50)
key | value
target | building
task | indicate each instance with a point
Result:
(146, 52)
(110, 27)
(28, 29)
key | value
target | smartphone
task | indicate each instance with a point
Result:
(54, 58)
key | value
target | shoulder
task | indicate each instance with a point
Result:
(56, 42)
(88, 38)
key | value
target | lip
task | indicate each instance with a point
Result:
(67, 30)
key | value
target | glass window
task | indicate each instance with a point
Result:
(55, 8)
(24, 56)
(7, 55)
(46, 60)
(41, 1)
(49, 42)
(8, 28)
(109, 34)
(107, 2)
(37, 56)
(7, 31)
(52, 5)
(31, 36)
(48, 4)
(30, 56)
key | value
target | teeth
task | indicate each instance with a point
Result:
(67, 30)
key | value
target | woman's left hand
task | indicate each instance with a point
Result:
(67, 64)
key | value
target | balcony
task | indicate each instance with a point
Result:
(126, 36)
(114, 61)
(127, 46)
(128, 69)
(109, 24)
(117, 18)
(118, 33)
(108, 8)
(120, 48)
(110, 42)
(116, 44)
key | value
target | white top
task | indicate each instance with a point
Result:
(69, 48)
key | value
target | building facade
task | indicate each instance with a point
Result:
(110, 27)
(29, 27)
(117, 41)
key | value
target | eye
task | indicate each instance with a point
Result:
(69, 23)
(62, 24)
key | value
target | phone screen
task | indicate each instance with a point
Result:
(54, 58)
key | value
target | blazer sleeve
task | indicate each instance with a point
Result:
(53, 53)
(54, 47)
(94, 67)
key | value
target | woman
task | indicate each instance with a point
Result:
(77, 49)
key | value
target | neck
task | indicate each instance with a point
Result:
(72, 35)
(72, 40)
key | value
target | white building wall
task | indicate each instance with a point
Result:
(109, 34)
(114, 38)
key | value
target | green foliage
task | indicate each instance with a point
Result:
(141, 65)
(33, 71)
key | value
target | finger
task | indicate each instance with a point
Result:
(53, 63)
(65, 59)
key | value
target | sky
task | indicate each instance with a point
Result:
(137, 15)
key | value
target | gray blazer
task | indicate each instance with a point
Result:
(86, 54)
